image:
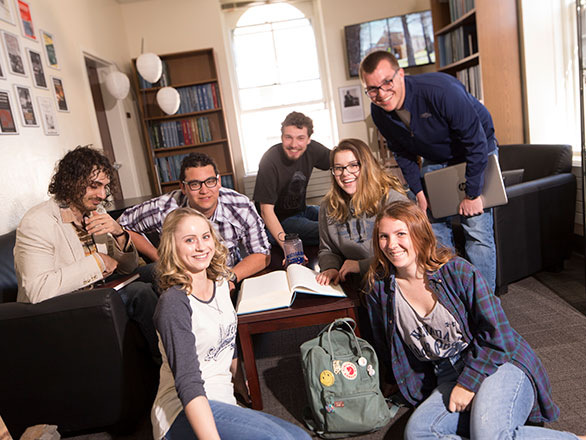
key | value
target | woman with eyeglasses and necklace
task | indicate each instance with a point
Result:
(445, 339)
(359, 188)
(196, 324)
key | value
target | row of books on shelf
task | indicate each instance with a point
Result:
(169, 168)
(188, 131)
(457, 44)
(162, 82)
(459, 8)
(470, 77)
(199, 98)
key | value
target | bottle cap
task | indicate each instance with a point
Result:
(291, 236)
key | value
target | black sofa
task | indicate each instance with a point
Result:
(74, 361)
(534, 230)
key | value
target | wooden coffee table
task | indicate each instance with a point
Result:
(307, 310)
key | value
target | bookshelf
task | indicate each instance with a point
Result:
(477, 41)
(198, 126)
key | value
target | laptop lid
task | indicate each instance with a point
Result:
(446, 187)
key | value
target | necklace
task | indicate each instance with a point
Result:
(212, 303)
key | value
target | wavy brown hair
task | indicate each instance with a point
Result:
(75, 172)
(170, 270)
(373, 184)
(430, 257)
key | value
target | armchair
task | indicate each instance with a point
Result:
(534, 230)
(74, 361)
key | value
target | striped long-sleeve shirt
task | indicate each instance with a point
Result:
(491, 339)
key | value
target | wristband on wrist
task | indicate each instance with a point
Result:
(120, 235)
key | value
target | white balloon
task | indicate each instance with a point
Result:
(168, 100)
(117, 84)
(150, 66)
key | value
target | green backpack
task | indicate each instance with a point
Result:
(342, 382)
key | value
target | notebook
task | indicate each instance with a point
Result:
(446, 187)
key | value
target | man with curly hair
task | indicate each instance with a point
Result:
(69, 242)
(281, 182)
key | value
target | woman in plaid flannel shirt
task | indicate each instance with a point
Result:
(444, 336)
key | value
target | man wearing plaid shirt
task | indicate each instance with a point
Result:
(232, 213)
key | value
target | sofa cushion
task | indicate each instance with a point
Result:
(513, 177)
(8, 282)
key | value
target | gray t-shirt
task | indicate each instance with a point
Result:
(435, 336)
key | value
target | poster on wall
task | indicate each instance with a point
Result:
(2, 71)
(7, 122)
(25, 103)
(48, 115)
(60, 94)
(37, 71)
(14, 54)
(351, 104)
(26, 20)
(5, 14)
(49, 44)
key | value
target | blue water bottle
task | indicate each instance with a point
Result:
(293, 249)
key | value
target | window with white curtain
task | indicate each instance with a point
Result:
(277, 71)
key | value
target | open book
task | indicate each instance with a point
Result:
(277, 289)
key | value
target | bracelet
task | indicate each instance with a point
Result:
(121, 234)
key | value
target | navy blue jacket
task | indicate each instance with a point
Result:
(448, 124)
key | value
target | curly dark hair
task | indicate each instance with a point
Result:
(196, 160)
(299, 120)
(74, 172)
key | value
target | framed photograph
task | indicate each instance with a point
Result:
(26, 20)
(14, 54)
(24, 98)
(7, 120)
(48, 115)
(48, 42)
(2, 68)
(351, 104)
(60, 94)
(37, 71)
(5, 11)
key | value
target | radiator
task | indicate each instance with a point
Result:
(318, 186)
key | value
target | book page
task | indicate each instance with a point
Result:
(302, 280)
(265, 292)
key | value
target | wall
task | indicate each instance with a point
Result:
(28, 159)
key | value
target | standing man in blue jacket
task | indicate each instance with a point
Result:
(431, 115)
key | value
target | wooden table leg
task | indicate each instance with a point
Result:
(250, 366)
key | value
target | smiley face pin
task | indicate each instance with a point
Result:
(326, 378)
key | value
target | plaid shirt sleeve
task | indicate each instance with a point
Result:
(148, 216)
(491, 338)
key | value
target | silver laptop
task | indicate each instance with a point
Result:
(446, 187)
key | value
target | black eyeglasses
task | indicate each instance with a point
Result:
(351, 168)
(195, 185)
(386, 86)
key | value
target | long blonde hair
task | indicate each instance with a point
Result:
(373, 184)
(430, 257)
(170, 270)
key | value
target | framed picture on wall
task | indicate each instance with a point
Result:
(26, 20)
(48, 115)
(37, 71)
(48, 42)
(24, 98)
(2, 65)
(14, 53)
(7, 122)
(351, 104)
(5, 11)
(59, 94)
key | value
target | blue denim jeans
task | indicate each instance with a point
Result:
(500, 409)
(304, 224)
(478, 233)
(235, 422)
